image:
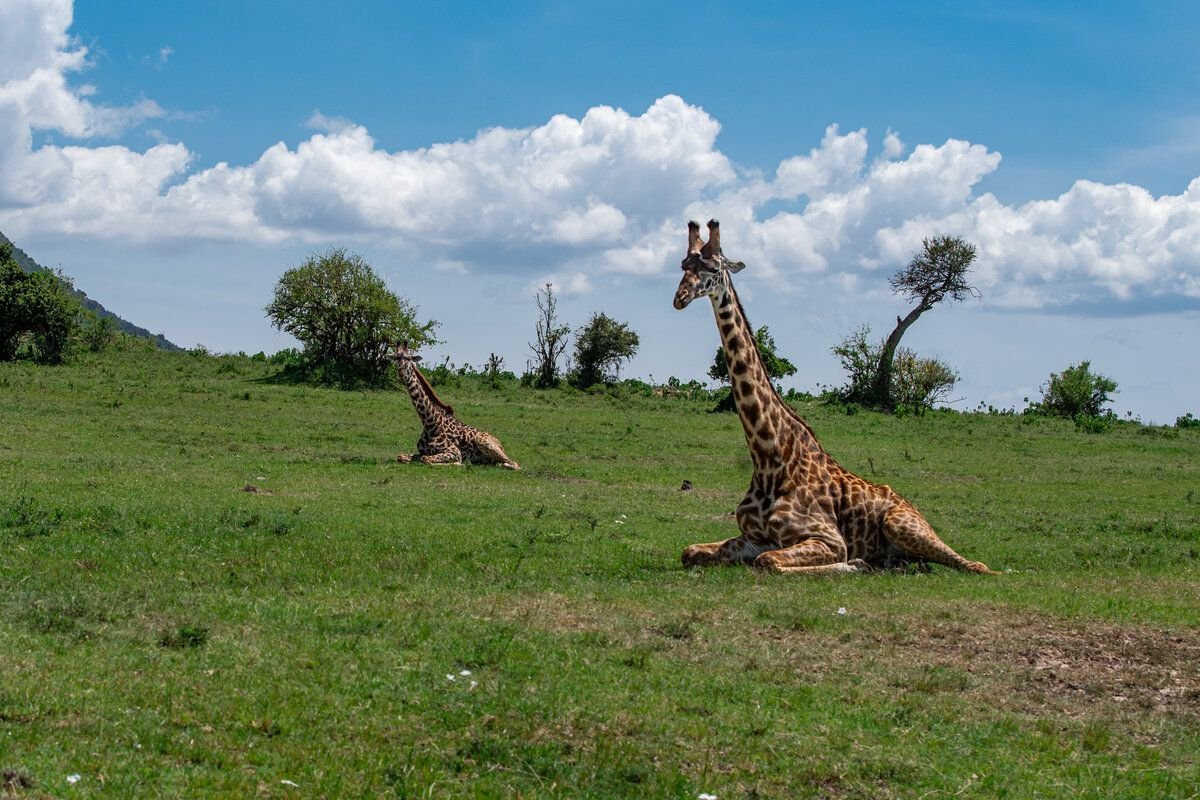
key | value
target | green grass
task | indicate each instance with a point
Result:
(211, 584)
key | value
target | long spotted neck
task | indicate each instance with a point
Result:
(774, 432)
(429, 407)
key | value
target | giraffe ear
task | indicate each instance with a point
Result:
(415, 358)
(735, 266)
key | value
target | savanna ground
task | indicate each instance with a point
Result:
(212, 585)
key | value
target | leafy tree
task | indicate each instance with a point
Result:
(937, 272)
(346, 318)
(600, 347)
(1077, 392)
(777, 366)
(37, 310)
(551, 339)
(917, 383)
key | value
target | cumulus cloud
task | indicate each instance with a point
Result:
(576, 198)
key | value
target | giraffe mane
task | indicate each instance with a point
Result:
(437, 401)
(758, 357)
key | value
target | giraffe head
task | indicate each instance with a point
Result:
(402, 355)
(705, 267)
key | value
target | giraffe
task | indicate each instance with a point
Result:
(444, 440)
(803, 512)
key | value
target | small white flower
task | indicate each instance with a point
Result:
(619, 521)
(450, 677)
(473, 685)
(465, 672)
(260, 478)
(622, 516)
(293, 784)
(74, 777)
(706, 796)
(842, 610)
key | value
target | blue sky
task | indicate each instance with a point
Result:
(176, 158)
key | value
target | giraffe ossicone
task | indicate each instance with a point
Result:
(804, 513)
(444, 440)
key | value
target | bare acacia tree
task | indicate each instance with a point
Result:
(937, 272)
(551, 339)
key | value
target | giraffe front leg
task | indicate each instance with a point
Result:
(818, 549)
(731, 551)
(812, 557)
(443, 458)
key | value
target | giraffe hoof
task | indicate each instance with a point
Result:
(858, 565)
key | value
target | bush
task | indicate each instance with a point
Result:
(346, 319)
(600, 347)
(1076, 392)
(97, 333)
(1187, 421)
(917, 383)
(38, 314)
(1098, 423)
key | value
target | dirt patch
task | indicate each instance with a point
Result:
(1024, 662)
(1064, 664)
(1004, 658)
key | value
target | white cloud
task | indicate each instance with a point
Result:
(580, 198)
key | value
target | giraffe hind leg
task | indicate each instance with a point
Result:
(492, 453)
(907, 529)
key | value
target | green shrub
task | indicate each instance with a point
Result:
(600, 347)
(1077, 391)
(1187, 421)
(38, 314)
(916, 384)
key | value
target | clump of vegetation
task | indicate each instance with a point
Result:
(38, 314)
(600, 347)
(346, 318)
(493, 371)
(916, 383)
(1078, 393)
(27, 518)
(1187, 421)
(184, 637)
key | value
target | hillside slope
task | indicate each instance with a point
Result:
(125, 326)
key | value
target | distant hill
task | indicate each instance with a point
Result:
(125, 326)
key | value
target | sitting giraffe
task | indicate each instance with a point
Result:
(444, 440)
(803, 513)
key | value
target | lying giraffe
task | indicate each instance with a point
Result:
(444, 440)
(803, 513)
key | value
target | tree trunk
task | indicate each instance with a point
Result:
(881, 391)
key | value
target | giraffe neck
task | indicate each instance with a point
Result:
(774, 432)
(429, 408)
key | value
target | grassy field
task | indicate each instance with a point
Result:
(212, 585)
